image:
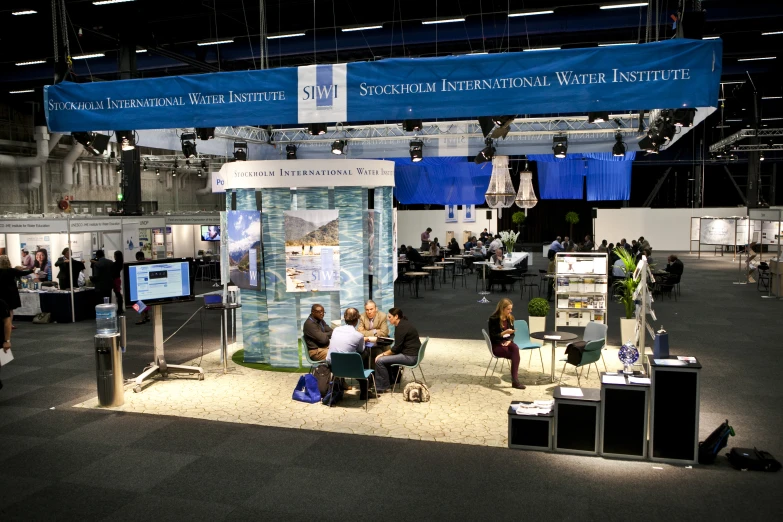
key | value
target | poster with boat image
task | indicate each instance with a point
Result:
(312, 250)
(244, 247)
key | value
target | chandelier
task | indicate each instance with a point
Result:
(500, 193)
(526, 196)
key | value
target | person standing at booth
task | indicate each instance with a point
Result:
(8, 290)
(44, 266)
(116, 276)
(425, 239)
(102, 276)
(145, 315)
(317, 333)
(64, 263)
(501, 335)
(404, 351)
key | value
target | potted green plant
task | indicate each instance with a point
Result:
(624, 290)
(537, 310)
(518, 218)
(572, 218)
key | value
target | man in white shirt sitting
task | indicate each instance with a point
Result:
(346, 339)
(496, 243)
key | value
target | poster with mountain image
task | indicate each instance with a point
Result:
(244, 247)
(312, 250)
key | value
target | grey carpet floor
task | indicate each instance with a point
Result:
(63, 463)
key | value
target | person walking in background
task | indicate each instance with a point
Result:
(145, 315)
(116, 276)
(501, 334)
(9, 293)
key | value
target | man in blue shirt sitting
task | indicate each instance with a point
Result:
(347, 339)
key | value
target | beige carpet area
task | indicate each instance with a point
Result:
(466, 406)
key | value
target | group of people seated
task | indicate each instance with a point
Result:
(566, 245)
(360, 334)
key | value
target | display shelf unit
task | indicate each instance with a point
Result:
(581, 288)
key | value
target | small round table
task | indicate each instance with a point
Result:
(433, 276)
(417, 275)
(554, 337)
(445, 265)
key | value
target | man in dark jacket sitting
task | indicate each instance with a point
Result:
(317, 333)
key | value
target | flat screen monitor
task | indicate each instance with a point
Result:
(210, 232)
(161, 281)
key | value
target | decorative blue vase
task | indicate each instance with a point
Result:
(628, 355)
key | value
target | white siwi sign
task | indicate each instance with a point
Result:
(303, 173)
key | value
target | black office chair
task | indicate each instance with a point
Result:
(763, 277)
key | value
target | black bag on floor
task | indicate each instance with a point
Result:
(709, 448)
(752, 459)
(333, 396)
(323, 375)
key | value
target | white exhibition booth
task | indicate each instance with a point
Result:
(157, 236)
(411, 223)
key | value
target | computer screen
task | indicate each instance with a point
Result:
(159, 282)
(210, 232)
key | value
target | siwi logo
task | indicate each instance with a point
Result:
(324, 91)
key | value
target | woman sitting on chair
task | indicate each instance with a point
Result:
(501, 335)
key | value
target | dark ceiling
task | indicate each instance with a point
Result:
(169, 30)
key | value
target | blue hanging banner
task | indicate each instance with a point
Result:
(671, 74)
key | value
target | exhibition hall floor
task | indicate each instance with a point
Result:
(62, 462)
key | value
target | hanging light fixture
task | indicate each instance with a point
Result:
(500, 193)
(526, 196)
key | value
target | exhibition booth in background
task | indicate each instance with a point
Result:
(345, 205)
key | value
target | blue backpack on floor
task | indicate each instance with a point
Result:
(307, 390)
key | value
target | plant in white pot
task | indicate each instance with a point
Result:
(537, 310)
(625, 289)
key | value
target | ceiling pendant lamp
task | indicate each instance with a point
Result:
(500, 193)
(526, 196)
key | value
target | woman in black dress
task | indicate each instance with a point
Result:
(8, 290)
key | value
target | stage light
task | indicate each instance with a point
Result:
(761, 158)
(204, 164)
(87, 56)
(21, 13)
(278, 36)
(597, 117)
(125, 139)
(338, 147)
(684, 117)
(316, 129)
(756, 59)
(240, 151)
(108, 2)
(647, 145)
(529, 13)
(205, 133)
(445, 21)
(23, 91)
(157, 172)
(623, 6)
(214, 42)
(495, 127)
(290, 151)
(560, 146)
(486, 154)
(542, 49)
(417, 154)
(412, 125)
(365, 28)
(32, 62)
(188, 141)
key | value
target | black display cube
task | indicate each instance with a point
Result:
(624, 419)
(577, 420)
(674, 413)
(532, 432)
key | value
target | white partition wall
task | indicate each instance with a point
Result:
(667, 229)
(411, 223)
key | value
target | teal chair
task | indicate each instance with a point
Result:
(350, 366)
(590, 356)
(306, 353)
(413, 366)
(523, 340)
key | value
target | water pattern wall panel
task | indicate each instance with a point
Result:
(255, 332)
(281, 305)
(348, 200)
(383, 277)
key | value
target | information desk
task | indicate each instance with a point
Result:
(58, 304)
(674, 412)
(624, 418)
(531, 432)
(577, 417)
